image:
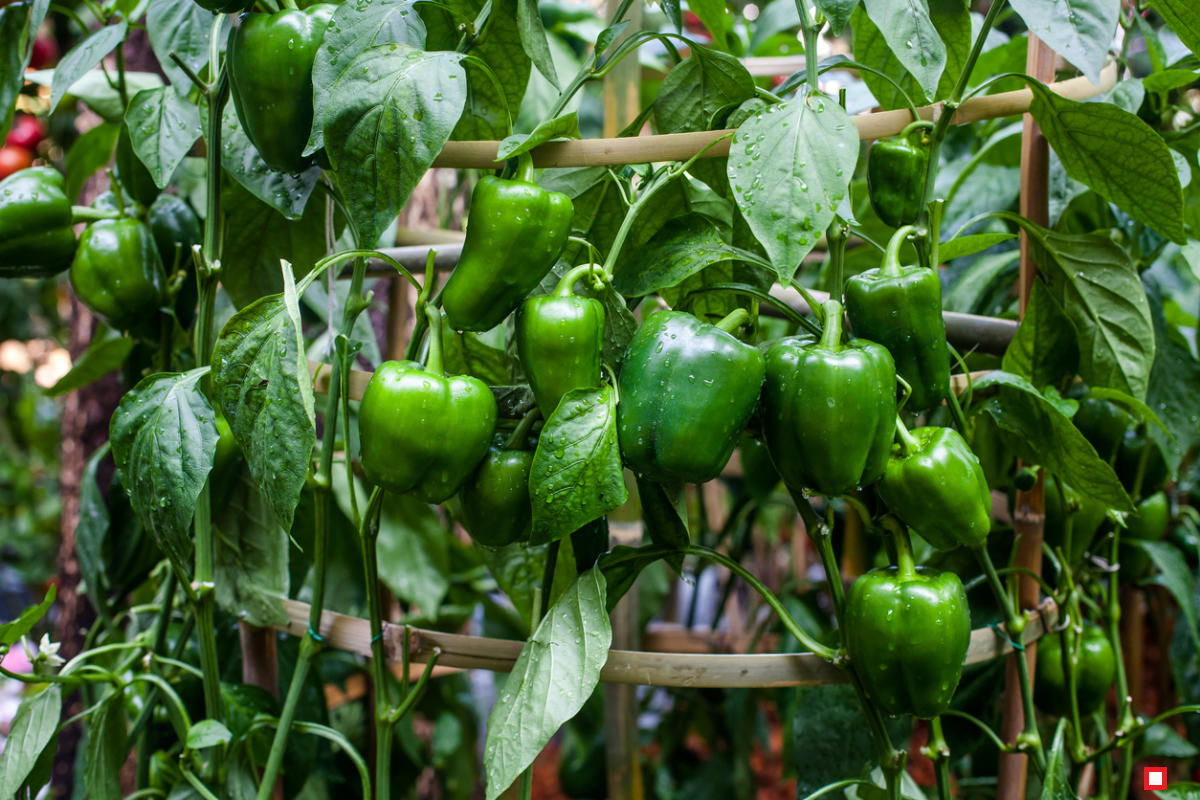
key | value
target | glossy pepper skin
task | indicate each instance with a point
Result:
(936, 485)
(901, 309)
(687, 390)
(896, 171)
(135, 179)
(176, 227)
(515, 232)
(118, 274)
(270, 58)
(559, 340)
(1103, 423)
(1095, 667)
(907, 632)
(423, 431)
(36, 238)
(829, 409)
(496, 510)
(1147, 523)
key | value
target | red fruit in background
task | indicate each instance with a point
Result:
(27, 131)
(13, 159)
(45, 52)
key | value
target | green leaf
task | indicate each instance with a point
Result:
(1173, 575)
(712, 13)
(90, 153)
(951, 20)
(285, 192)
(1043, 349)
(83, 57)
(699, 87)
(533, 40)
(207, 733)
(1179, 791)
(683, 247)
(1117, 155)
(912, 38)
(106, 352)
(17, 21)
(1172, 394)
(500, 47)
(184, 28)
(1183, 17)
(830, 734)
(1034, 428)
(1078, 30)
(789, 168)
(100, 96)
(10, 632)
(664, 511)
(252, 250)
(467, 354)
(92, 529)
(1161, 741)
(779, 16)
(107, 747)
(962, 246)
(413, 557)
(484, 115)
(162, 127)
(35, 722)
(1140, 411)
(164, 435)
(1168, 79)
(576, 474)
(599, 207)
(250, 552)
(1057, 782)
(261, 382)
(564, 127)
(556, 673)
(390, 113)
(518, 570)
(1097, 287)
(356, 27)
(836, 11)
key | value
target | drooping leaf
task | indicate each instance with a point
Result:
(162, 127)
(533, 40)
(1173, 575)
(1171, 393)
(95, 90)
(790, 168)
(912, 38)
(836, 11)
(106, 749)
(261, 382)
(413, 557)
(1078, 30)
(697, 88)
(1183, 18)
(390, 112)
(681, 249)
(563, 127)
(17, 22)
(35, 722)
(83, 57)
(286, 192)
(1057, 783)
(106, 352)
(164, 435)
(555, 674)
(1043, 350)
(250, 552)
(184, 28)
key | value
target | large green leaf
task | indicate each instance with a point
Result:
(952, 23)
(164, 435)
(789, 168)
(912, 38)
(286, 192)
(1097, 287)
(1043, 350)
(390, 113)
(83, 57)
(576, 474)
(533, 40)
(162, 127)
(519, 569)
(697, 88)
(107, 748)
(250, 552)
(261, 382)
(17, 20)
(682, 248)
(599, 207)
(555, 674)
(1174, 576)
(1183, 17)
(1078, 30)
(35, 722)
(1172, 392)
(184, 28)
(1117, 155)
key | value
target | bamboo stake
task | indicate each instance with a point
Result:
(682, 146)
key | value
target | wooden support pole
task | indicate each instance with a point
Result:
(1029, 512)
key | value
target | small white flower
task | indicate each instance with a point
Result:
(48, 652)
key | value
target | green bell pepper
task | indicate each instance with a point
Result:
(901, 309)
(1133, 448)
(118, 274)
(1103, 423)
(936, 485)
(1094, 668)
(422, 431)
(687, 390)
(36, 238)
(496, 510)
(907, 630)
(829, 409)
(176, 227)
(135, 179)
(559, 340)
(515, 232)
(1147, 523)
(896, 171)
(270, 59)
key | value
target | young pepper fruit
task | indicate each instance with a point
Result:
(896, 170)
(423, 431)
(1094, 669)
(118, 274)
(515, 232)
(495, 500)
(829, 409)
(907, 632)
(901, 309)
(936, 485)
(559, 339)
(687, 390)
(270, 58)
(36, 238)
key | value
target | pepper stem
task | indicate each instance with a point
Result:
(525, 171)
(566, 286)
(914, 125)
(891, 256)
(906, 565)
(908, 442)
(734, 320)
(521, 432)
(433, 363)
(831, 336)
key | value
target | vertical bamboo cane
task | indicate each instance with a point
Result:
(1029, 513)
